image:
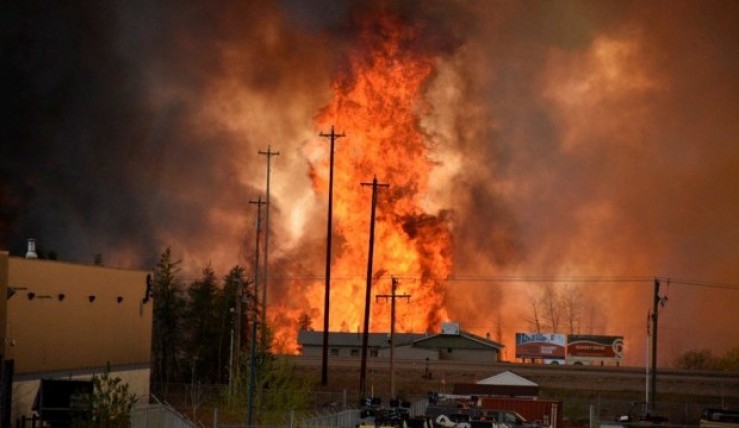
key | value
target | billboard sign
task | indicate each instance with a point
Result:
(581, 347)
(540, 346)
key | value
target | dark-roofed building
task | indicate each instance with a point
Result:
(343, 344)
(451, 344)
(458, 345)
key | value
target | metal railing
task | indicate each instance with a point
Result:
(159, 415)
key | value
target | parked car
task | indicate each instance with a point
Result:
(510, 418)
(719, 418)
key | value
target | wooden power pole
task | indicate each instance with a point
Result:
(254, 321)
(368, 294)
(332, 136)
(393, 296)
(269, 153)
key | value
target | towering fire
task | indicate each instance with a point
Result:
(579, 139)
(377, 100)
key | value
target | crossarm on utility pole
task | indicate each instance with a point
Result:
(269, 153)
(393, 296)
(368, 294)
(326, 299)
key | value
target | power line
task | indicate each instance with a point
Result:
(731, 286)
(705, 284)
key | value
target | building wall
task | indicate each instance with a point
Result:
(409, 352)
(25, 389)
(478, 355)
(343, 351)
(49, 333)
(312, 351)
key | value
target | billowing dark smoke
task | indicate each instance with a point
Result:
(597, 139)
(574, 139)
(118, 139)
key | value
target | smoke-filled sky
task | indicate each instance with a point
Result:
(569, 139)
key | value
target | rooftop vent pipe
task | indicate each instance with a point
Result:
(31, 253)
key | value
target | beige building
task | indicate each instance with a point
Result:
(67, 321)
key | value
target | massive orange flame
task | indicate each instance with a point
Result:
(377, 99)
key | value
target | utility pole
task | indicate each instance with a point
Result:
(269, 153)
(254, 311)
(231, 356)
(242, 335)
(259, 202)
(647, 359)
(367, 300)
(332, 136)
(657, 301)
(252, 372)
(392, 296)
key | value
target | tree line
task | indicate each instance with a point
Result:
(202, 337)
(704, 359)
(193, 323)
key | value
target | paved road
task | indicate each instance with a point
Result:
(553, 376)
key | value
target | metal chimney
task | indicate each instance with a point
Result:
(31, 253)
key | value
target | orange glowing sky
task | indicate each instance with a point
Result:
(572, 139)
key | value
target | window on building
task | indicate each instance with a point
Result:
(334, 352)
(354, 352)
(373, 353)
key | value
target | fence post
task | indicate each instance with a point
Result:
(215, 417)
(292, 418)
(343, 401)
(592, 415)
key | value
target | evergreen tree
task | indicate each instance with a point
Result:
(202, 325)
(167, 314)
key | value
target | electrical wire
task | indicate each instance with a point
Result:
(513, 279)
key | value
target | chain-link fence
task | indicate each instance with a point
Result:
(610, 412)
(159, 415)
(214, 406)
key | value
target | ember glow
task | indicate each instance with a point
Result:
(518, 139)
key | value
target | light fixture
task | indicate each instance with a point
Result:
(91, 298)
(31, 295)
(149, 289)
(119, 299)
(10, 292)
(60, 296)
